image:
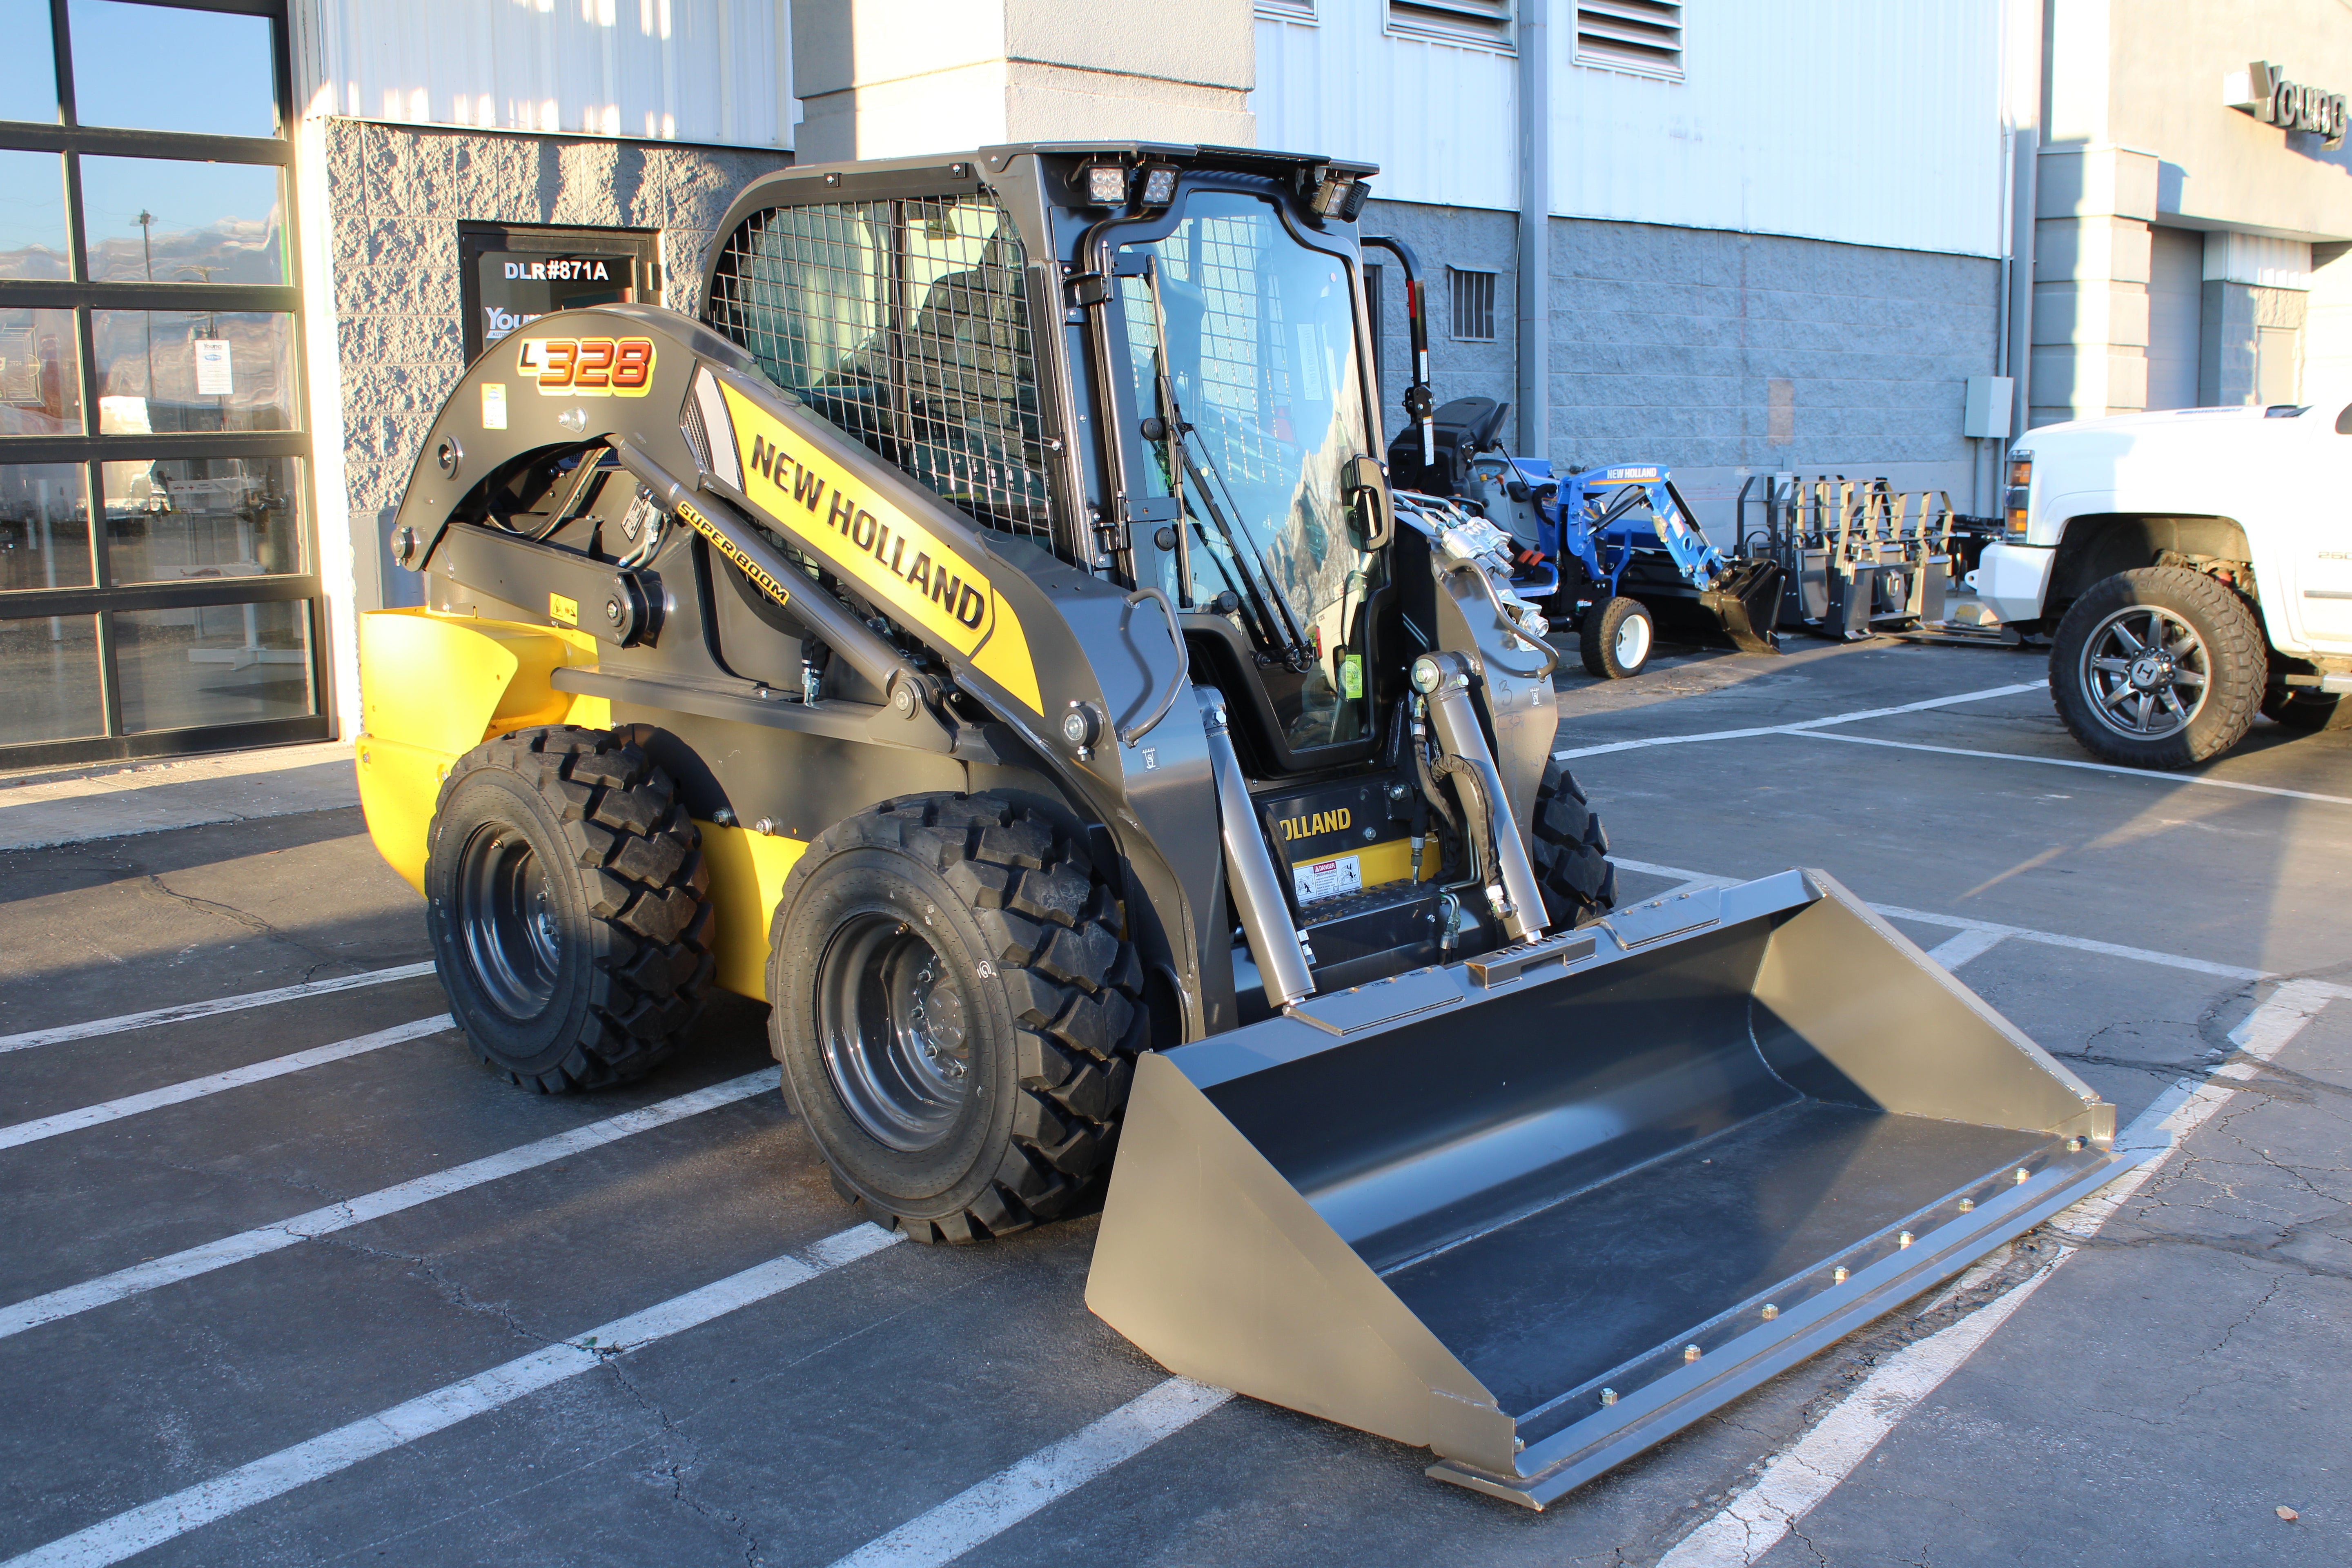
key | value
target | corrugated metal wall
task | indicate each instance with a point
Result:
(676, 70)
(1869, 121)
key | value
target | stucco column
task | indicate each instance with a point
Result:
(2091, 246)
(898, 79)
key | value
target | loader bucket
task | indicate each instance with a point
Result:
(1540, 1210)
(1747, 605)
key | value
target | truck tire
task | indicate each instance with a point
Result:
(1616, 638)
(956, 1013)
(2306, 710)
(2157, 668)
(564, 898)
(1570, 852)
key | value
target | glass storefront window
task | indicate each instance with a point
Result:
(181, 518)
(49, 667)
(28, 76)
(163, 371)
(149, 68)
(222, 664)
(44, 528)
(40, 380)
(33, 215)
(157, 220)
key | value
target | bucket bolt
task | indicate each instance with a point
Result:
(1837, 1275)
(1608, 1396)
(1770, 1311)
(1967, 1205)
(1902, 1240)
(2023, 1175)
(1690, 1354)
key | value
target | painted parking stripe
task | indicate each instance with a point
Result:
(1761, 1515)
(1802, 726)
(198, 1087)
(984, 1511)
(1994, 927)
(137, 1529)
(2143, 773)
(1972, 943)
(142, 1277)
(216, 1006)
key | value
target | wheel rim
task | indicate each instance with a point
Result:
(1633, 641)
(514, 944)
(2147, 672)
(896, 1043)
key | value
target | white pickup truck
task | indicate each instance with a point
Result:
(2191, 567)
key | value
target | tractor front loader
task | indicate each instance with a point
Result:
(988, 636)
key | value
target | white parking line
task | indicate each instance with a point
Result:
(1802, 726)
(136, 1530)
(217, 1004)
(198, 1087)
(984, 1511)
(1973, 942)
(141, 1278)
(2148, 775)
(1992, 928)
(1757, 1519)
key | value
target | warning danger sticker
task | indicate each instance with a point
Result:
(1327, 878)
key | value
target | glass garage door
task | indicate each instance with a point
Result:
(159, 589)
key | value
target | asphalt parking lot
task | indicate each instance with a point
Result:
(297, 1281)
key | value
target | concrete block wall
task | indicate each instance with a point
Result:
(1722, 355)
(397, 194)
(2091, 254)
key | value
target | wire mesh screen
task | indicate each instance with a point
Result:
(905, 324)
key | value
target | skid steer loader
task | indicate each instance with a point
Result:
(988, 636)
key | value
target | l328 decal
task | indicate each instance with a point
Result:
(587, 367)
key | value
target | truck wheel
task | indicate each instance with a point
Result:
(2306, 710)
(2157, 668)
(564, 889)
(956, 1014)
(1570, 853)
(1617, 636)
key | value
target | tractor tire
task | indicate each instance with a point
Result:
(956, 1014)
(1616, 638)
(2157, 668)
(1571, 851)
(564, 898)
(2305, 709)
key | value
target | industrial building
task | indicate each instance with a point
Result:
(246, 246)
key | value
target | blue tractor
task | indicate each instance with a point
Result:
(1614, 547)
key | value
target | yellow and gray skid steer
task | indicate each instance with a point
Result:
(987, 635)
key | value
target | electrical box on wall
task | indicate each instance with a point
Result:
(1986, 414)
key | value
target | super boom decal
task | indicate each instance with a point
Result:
(915, 576)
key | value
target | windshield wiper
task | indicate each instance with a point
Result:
(1264, 592)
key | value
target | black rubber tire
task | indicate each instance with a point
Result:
(2312, 710)
(1598, 638)
(1571, 851)
(1051, 999)
(2237, 657)
(624, 889)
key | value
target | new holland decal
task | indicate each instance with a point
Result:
(910, 570)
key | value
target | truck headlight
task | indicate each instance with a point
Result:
(2015, 509)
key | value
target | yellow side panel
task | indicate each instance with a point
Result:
(432, 688)
(746, 878)
(398, 784)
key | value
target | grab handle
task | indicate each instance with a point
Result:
(1130, 735)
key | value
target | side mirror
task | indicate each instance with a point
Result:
(1364, 484)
